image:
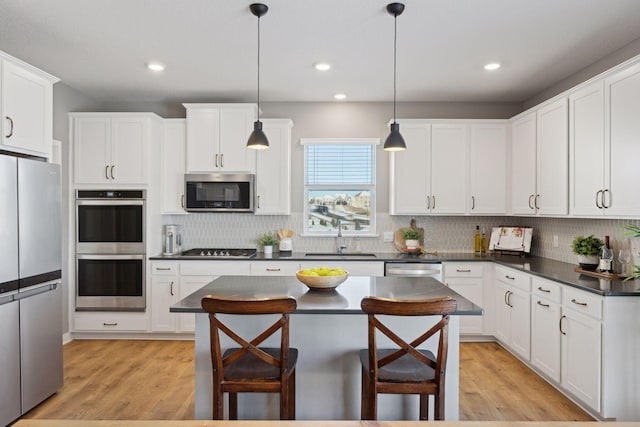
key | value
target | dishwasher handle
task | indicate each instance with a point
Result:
(399, 271)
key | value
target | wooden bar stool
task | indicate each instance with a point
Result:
(406, 370)
(251, 368)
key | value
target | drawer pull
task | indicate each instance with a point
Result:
(509, 277)
(163, 268)
(171, 289)
(541, 289)
(109, 324)
(273, 269)
(463, 271)
(543, 305)
(584, 304)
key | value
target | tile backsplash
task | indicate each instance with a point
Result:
(442, 233)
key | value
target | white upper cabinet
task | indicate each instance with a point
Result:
(587, 150)
(523, 164)
(552, 168)
(540, 161)
(488, 162)
(26, 104)
(113, 148)
(217, 137)
(430, 176)
(622, 143)
(173, 164)
(273, 169)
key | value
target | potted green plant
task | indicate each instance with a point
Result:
(411, 238)
(588, 251)
(268, 240)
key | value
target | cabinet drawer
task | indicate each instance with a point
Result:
(514, 278)
(463, 269)
(551, 291)
(582, 302)
(108, 322)
(277, 268)
(164, 268)
(215, 268)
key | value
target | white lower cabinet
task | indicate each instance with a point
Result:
(545, 329)
(107, 321)
(467, 280)
(186, 322)
(513, 311)
(164, 293)
(581, 329)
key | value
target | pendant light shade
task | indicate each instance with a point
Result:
(258, 140)
(395, 141)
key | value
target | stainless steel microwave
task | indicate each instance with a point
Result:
(219, 192)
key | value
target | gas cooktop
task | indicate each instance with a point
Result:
(219, 253)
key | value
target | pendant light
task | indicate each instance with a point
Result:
(395, 141)
(258, 140)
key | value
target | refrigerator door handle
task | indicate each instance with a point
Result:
(40, 288)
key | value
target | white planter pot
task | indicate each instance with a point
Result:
(411, 243)
(588, 262)
(268, 250)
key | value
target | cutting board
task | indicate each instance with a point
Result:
(398, 240)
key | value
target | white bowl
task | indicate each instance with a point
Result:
(321, 283)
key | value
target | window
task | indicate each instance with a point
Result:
(340, 185)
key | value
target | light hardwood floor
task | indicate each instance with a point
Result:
(153, 380)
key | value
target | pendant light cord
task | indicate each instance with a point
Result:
(258, 68)
(395, 37)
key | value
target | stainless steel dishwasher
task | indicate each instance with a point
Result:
(414, 269)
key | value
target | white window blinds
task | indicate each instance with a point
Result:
(340, 164)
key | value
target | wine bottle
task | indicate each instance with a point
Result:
(477, 241)
(483, 242)
(606, 257)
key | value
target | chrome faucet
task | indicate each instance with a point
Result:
(341, 245)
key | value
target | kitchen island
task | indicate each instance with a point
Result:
(328, 328)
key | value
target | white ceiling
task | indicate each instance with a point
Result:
(100, 47)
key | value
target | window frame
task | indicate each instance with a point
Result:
(371, 188)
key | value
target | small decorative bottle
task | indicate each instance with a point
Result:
(477, 241)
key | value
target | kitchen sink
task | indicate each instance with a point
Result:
(342, 255)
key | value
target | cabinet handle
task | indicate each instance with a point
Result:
(605, 192)
(171, 289)
(541, 289)
(573, 300)
(473, 202)
(258, 202)
(109, 324)
(10, 128)
(535, 201)
(560, 325)
(222, 160)
(509, 277)
(112, 177)
(182, 201)
(506, 302)
(598, 193)
(273, 269)
(163, 268)
(509, 299)
(543, 305)
(217, 160)
(428, 202)
(434, 202)
(106, 171)
(463, 271)
(530, 197)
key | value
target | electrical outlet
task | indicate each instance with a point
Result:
(555, 241)
(388, 236)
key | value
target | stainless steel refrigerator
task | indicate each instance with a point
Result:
(30, 279)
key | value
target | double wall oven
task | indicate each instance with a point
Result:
(110, 250)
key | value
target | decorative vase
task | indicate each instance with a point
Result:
(588, 262)
(411, 243)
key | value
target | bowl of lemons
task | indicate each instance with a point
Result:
(322, 278)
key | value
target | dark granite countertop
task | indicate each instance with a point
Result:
(545, 268)
(344, 300)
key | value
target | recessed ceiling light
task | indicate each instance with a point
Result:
(340, 96)
(322, 66)
(155, 66)
(492, 66)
